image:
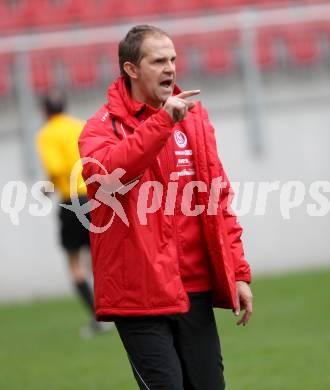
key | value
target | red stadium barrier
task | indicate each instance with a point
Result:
(302, 44)
(213, 52)
(179, 7)
(13, 16)
(218, 60)
(216, 48)
(265, 50)
(108, 56)
(182, 63)
(45, 13)
(24, 15)
(102, 12)
(81, 63)
(42, 70)
(5, 74)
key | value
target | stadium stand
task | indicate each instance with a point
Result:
(216, 50)
(265, 51)
(301, 42)
(23, 15)
(42, 70)
(182, 45)
(81, 67)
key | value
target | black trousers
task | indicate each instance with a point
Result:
(175, 352)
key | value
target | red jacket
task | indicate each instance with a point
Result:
(136, 269)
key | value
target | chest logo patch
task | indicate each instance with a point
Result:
(180, 138)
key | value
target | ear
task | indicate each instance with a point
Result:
(131, 70)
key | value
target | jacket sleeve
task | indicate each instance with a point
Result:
(133, 154)
(234, 229)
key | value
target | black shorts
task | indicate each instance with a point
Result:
(73, 235)
(175, 352)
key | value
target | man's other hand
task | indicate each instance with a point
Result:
(243, 302)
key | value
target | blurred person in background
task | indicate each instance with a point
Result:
(159, 280)
(57, 145)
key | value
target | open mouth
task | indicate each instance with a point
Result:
(166, 84)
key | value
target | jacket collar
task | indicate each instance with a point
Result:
(122, 106)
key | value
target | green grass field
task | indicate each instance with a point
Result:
(286, 346)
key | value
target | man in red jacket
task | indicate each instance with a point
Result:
(166, 246)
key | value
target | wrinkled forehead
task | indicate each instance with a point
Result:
(157, 45)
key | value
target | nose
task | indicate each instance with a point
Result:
(169, 67)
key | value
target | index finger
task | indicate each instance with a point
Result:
(186, 94)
